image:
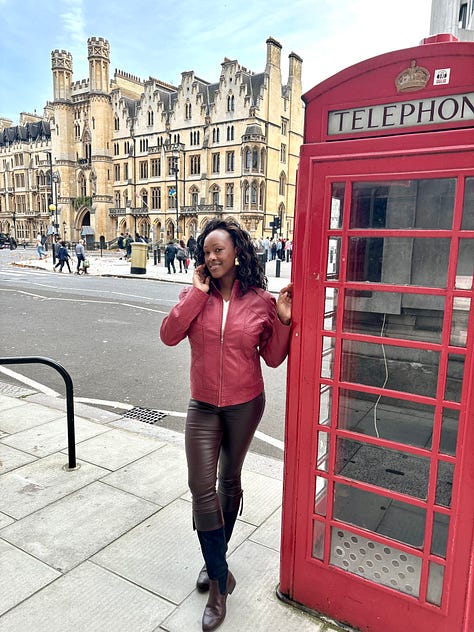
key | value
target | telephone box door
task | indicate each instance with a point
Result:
(378, 514)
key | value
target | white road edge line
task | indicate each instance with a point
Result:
(26, 380)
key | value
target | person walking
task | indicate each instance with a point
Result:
(191, 246)
(170, 253)
(63, 257)
(181, 256)
(81, 257)
(39, 247)
(121, 245)
(230, 320)
(128, 246)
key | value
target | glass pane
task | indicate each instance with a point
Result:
(449, 431)
(325, 405)
(377, 513)
(461, 309)
(337, 204)
(467, 222)
(454, 378)
(435, 583)
(465, 264)
(327, 366)
(318, 540)
(330, 308)
(398, 368)
(403, 204)
(399, 260)
(376, 562)
(440, 534)
(387, 418)
(320, 496)
(323, 451)
(444, 483)
(397, 471)
(394, 314)
(334, 258)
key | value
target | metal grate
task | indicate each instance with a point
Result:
(147, 415)
(381, 564)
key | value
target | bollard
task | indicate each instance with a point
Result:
(278, 264)
(155, 257)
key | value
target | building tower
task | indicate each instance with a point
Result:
(453, 16)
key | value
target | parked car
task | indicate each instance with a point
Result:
(4, 240)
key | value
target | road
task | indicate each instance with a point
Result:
(105, 332)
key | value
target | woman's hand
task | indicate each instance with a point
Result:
(284, 302)
(201, 280)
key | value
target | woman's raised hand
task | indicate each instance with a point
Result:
(201, 280)
(284, 302)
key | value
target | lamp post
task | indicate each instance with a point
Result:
(52, 207)
(64, 230)
(176, 171)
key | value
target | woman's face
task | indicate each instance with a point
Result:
(219, 255)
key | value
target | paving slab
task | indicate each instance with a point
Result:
(5, 520)
(116, 448)
(20, 576)
(17, 418)
(7, 403)
(263, 499)
(159, 477)
(162, 554)
(80, 409)
(52, 437)
(38, 484)
(253, 605)
(72, 529)
(10, 458)
(269, 533)
(88, 599)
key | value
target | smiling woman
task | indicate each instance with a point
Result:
(230, 320)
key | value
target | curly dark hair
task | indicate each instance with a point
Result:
(249, 270)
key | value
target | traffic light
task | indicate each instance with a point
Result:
(277, 223)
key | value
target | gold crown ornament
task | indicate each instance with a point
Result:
(412, 78)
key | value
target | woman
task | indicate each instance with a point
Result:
(230, 321)
(63, 257)
(81, 257)
(39, 247)
(181, 256)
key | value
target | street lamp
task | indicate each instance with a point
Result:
(52, 207)
(176, 171)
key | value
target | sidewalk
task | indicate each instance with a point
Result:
(110, 545)
(109, 264)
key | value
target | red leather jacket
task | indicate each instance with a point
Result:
(225, 368)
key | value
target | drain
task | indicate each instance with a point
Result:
(147, 415)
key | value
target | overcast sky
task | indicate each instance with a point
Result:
(163, 39)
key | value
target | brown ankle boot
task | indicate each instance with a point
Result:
(202, 582)
(215, 610)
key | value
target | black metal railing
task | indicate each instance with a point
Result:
(71, 439)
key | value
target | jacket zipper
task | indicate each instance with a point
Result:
(221, 352)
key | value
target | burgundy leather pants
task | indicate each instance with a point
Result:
(217, 440)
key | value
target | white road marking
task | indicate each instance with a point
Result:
(26, 380)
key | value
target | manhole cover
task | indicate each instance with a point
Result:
(147, 415)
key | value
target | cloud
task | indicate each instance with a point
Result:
(73, 21)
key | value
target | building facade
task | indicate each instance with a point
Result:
(453, 16)
(120, 154)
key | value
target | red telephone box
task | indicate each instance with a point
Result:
(378, 507)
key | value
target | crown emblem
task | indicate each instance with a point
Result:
(412, 78)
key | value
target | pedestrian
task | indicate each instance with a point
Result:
(191, 246)
(44, 242)
(63, 257)
(39, 247)
(170, 253)
(128, 246)
(81, 257)
(56, 247)
(121, 245)
(13, 243)
(273, 249)
(181, 256)
(230, 320)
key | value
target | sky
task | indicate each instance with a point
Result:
(163, 39)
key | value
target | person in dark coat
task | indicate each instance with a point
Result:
(63, 257)
(170, 254)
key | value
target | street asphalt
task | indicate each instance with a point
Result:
(109, 545)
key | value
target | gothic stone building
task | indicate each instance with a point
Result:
(122, 154)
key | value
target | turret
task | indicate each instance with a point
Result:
(99, 62)
(61, 65)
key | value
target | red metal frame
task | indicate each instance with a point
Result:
(304, 579)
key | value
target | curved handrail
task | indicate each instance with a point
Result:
(69, 398)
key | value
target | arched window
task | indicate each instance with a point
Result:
(246, 193)
(261, 200)
(194, 196)
(150, 117)
(215, 194)
(116, 123)
(282, 185)
(248, 159)
(254, 194)
(82, 185)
